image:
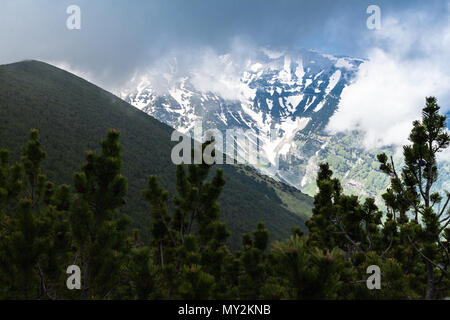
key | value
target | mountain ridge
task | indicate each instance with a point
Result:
(286, 101)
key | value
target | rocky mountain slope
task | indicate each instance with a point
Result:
(282, 103)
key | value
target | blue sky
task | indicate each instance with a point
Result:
(117, 37)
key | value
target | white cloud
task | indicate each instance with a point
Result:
(272, 54)
(444, 155)
(408, 59)
(69, 68)
(95, 78)
(221, 74)
(207, 70)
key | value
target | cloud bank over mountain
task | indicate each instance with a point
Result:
(208, 70)
(118, 38)
(407, 60)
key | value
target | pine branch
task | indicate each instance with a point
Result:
(446, 263)
(445, 206)
(424, 256)
(348, 237)
(388, 248)
(445, 225)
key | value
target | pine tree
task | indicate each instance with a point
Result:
(190, 242)
(253, 261)
(34, 230)
(311, 272)
(143, 276)
(342, 221)
(425, 225)
(99, 231)
(347, 228)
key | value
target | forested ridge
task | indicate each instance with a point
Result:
(72, 115)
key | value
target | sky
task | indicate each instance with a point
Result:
(117, 37)
(407, 58)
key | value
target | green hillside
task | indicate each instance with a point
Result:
(73, 115)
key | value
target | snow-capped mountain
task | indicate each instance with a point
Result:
(276, 88)
(285, 99)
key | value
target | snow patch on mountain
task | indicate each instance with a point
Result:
(277, 96)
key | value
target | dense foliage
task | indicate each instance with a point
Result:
(44, 228)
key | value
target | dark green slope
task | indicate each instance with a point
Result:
(73, 115)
